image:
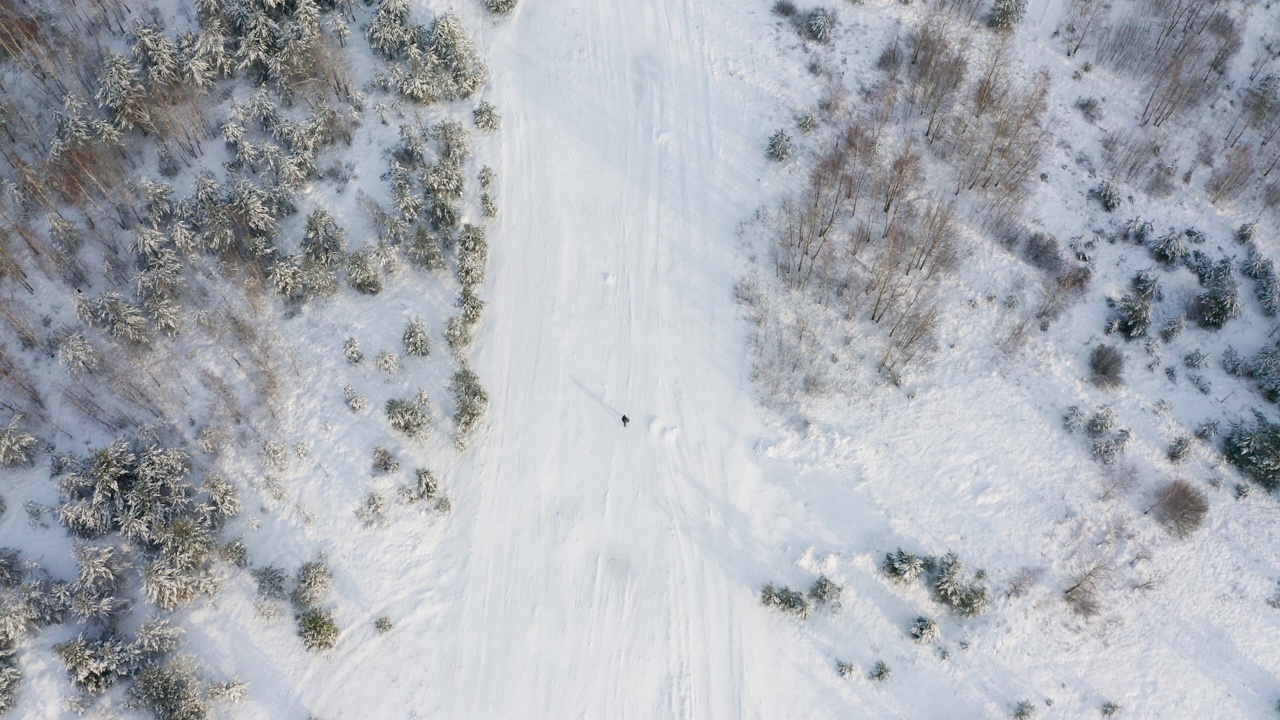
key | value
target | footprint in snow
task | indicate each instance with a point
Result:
(657, 429)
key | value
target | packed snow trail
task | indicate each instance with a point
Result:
(608, 569)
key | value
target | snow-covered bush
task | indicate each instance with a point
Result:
(807, 122)
(355, 400)
(275, 455)
(880, 671)
(17, 447)
(383, 625)
(410, 418)
(171, 692)
(1110, 709)
(500, 7)
(1180, 508)
(416, 341)
(846, 670)
(951, 586)
(1107, 364)
(785, 599)
(270, 582)
(924, 629)
(784, 8)
(1172, 328)
(1107, 449)
(1106, 192)
(1179, 449)
(373, 511)
(312, 584)
(471, 401)
(317, 629)
(820, 25)
(824, 592)
(1024, 710)
(486, 118)
(902, 566)
(1170, 249)
(779, 148)
(1132, 316)
(426, 487)
(388, 362)
(1220, 301)
(384, 461)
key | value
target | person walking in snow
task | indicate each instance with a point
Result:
(625, 420)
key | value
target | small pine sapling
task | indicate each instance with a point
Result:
(880, 671)
(1180, 449)
(383, 461)
(779, 148)
(825, 592)
(416, 341)
(17, 447)
(355, 400)
(902, 566)
(846, 670)
(785, 599)
(1106, 192)
(351, 351)
(924, 630)
(388, 362)
(317, 630)
(486, 118)
(1024, 710)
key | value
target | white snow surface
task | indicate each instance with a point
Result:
(589, 570)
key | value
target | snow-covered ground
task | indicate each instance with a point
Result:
(589, 570)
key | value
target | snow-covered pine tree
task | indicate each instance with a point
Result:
(121, 94)
(779, 148)
(351, 351)
(17, 447)
(486, 118)
(473, 253)
(471, 402)
(1170, 249)
(1107, 193)
(410, 418)
(390, 32)
(820, 25)
(500, 7)
(1006, 14)
(322, 239)
(1220, 301)
(415, 338)
(363, 274)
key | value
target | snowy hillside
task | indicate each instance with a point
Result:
(627, 245)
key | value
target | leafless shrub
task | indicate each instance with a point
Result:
(1226, 182)
(1180, 508)
(1090, 109)
(1023, 581)
(1107, 364)
(1085, 593)
(1120, 480)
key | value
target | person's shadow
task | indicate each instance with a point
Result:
(599, 400)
